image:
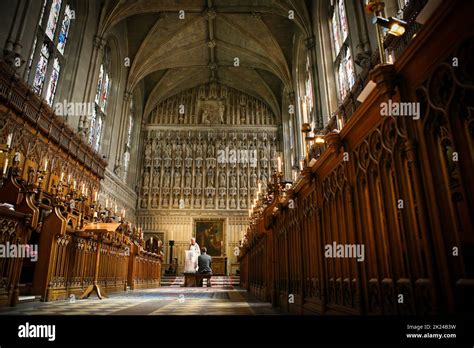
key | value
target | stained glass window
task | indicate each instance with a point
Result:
(98, 134)
(92, 126)
(53, 43)
(309, 87)
(53, 82)
(42, 12)
(99, 84)
(336, 37)
(53, 18)
(101, 98)
(95, 130)
(343, 20)
(40, 73)
(105, 92)
(129, 132)
(64, 30)
(30, 61)
(343, 65)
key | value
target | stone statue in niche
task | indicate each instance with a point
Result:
(273, 153)
(232, 203)
(168, 150)
(148, 154)
(177, 178)
(156, 178)
(146, 179)
(167, 179)
(154, 202)
(199, 150)
(264, 179)
(210, 151)
(233, 180)
(253, 179)
(189, 150)
(221, 112)
(243, 179)
(188, 178)
(222, 180)
(198, 182)
(179, 151)
(205, 117)
(144, 202)
(210, 178)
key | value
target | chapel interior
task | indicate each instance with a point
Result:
(322, 152)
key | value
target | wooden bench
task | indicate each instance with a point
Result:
(195, 279)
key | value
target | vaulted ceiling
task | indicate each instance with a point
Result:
(171, 54)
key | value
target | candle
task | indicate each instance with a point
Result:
(68, 178)
(45, 165)
(74, 185)
(9, 139)
(151, 240)
(62, 176)
(279, 164)
(259, 187)
(96, 196)
(115, 210)
(83, 188)
(87, 190)
(95, 214)
(124, 211)
(5, 166)
(106, 203)
(301, 164)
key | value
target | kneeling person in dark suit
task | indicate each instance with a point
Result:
(204, 264)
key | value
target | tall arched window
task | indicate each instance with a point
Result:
(128, 142)
(47, 54)
(342, 57)
(101, 98)
(308, 97)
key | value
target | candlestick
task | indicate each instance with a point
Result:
(9, 139)
(5, 166)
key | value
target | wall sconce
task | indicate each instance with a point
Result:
(395, 26)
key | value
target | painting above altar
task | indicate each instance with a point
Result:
(210, 234)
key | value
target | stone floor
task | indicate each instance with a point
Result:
(161, 301)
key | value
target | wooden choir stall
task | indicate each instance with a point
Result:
(49, 205)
